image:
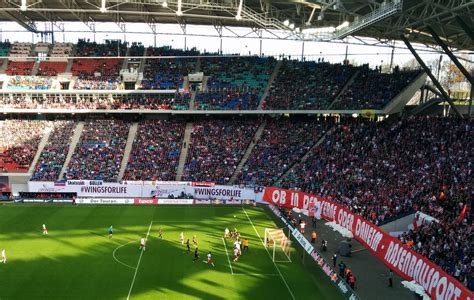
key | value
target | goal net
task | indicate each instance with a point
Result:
(280, 243)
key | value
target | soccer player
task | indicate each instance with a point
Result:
(4, 257)
(187, 246)
(236, 254)
(195, 242)
(181, 236)
(209, 259)
(196, 254)
(142, 244)
(45, 230)
(111, 231)
(246, 244)
(226, 232)
(160, 233)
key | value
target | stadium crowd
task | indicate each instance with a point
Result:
(373, 90)
(30, 83)
(216, 148)
(167, 73)
(307, 85)
(54, 154)
(282, 144)
(226, 101)
(19, 140)
(382, 171)
(156, 150)
(99, 153)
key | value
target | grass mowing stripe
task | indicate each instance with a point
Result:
(227, 254)
(139, 260)
(263, 243)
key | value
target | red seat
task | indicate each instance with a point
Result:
(19, 67)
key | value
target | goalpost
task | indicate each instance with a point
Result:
(280, 242)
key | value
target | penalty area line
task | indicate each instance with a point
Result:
(227, 255)
(263, 243)
(138, 264)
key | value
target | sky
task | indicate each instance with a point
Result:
(205, 38)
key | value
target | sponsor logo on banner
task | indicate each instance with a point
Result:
(203, 184)
(176, 201)
(145, 201)
(107, 201)
(76, 182)
(405, 262)
(303, 241)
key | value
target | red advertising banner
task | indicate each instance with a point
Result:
(406, 262)
(142, 201)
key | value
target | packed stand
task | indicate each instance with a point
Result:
(167, 73)
(373, 90)
(94, 73)
(216, 148)
(51, 68)
(237, 73)
(54, 154)
(19, 140)
(99, 153)
(4, 48)
(56, 102)
(282, 144)
(29, 83)
(307, 85)
(177, 101)
(156, 150)
(382, 171)
(226, 101)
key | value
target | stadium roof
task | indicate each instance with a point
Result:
(385, 20)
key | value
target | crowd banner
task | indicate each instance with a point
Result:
(146, 189)
(397, 256)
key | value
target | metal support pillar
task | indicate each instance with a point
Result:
(433, 78)
(450, 54)
(465, 27)
(302, 51)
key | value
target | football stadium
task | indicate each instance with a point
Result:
(236, 149)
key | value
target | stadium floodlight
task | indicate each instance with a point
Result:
(297, 30)
(292, 26)
(23, 5)
(164, 4)
(103, 9)
(318, 30)
(238, 17)
(343, 25)
(286, 22)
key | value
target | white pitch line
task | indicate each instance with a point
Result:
(117, 260)
(227, 254)
(263, 243)
(138, 264)
(255, 274)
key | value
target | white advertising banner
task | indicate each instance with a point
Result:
(143, 189)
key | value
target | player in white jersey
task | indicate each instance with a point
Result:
(45, 229)
(209, 259)
(142, 244)
(236, 254)
(181, 237)
(226, 232)
(4, 257)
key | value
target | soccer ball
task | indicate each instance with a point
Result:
(235, 216)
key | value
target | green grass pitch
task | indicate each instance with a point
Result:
(78, 260)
